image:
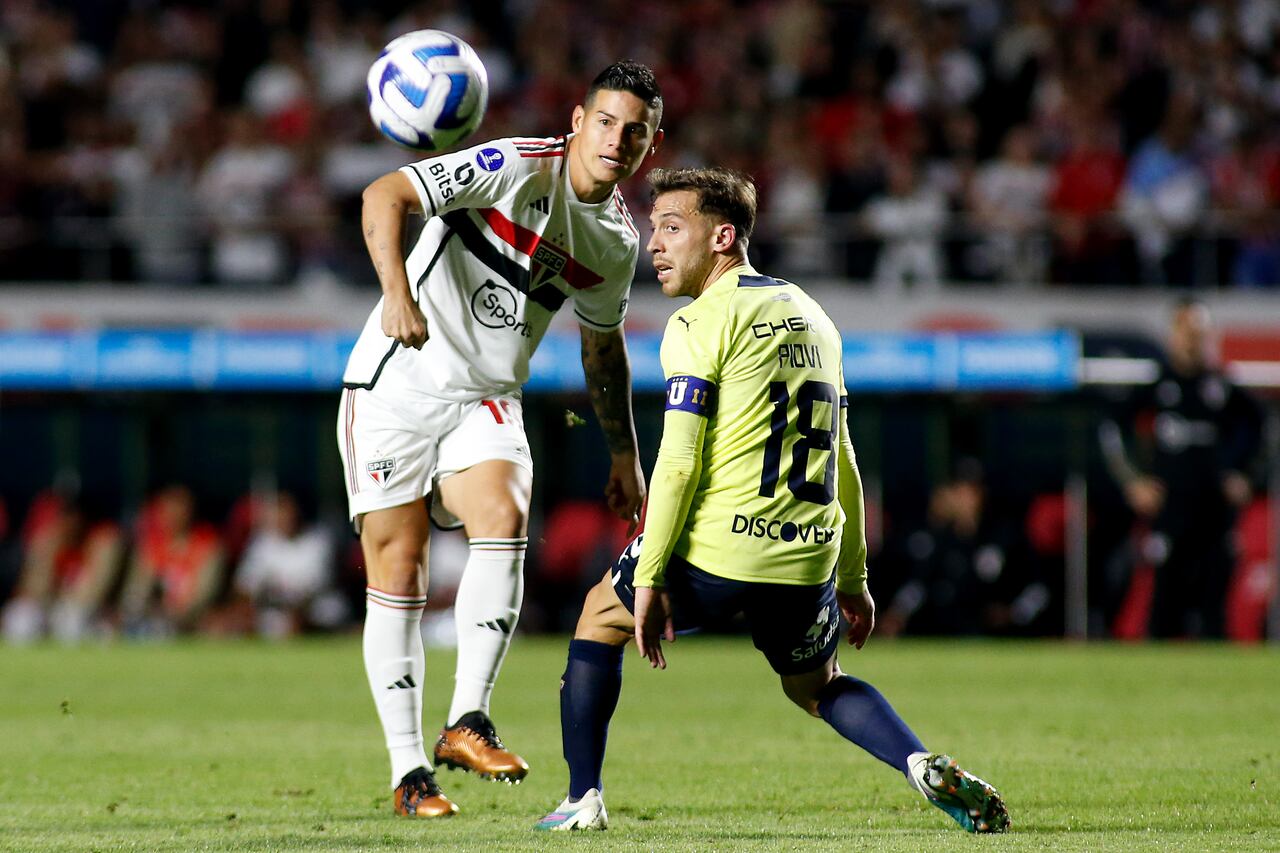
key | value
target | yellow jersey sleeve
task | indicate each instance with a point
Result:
(689, 363)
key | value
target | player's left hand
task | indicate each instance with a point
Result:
(860, 612)
(625, 491)
(653, 624)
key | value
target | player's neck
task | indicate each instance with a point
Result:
(723, 264)
(586, 188)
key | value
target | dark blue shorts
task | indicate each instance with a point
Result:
(797, 627)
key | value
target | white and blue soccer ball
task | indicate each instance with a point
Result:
(427, 90)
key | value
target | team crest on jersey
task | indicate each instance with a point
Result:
(381, 470)
(547, 262)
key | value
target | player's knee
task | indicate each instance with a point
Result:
(806, 690)
(394, 563)
(804, 700)
(606, 634)
(499, 516)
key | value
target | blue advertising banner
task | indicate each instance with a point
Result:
(302, 361)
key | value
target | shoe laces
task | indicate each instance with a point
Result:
(420, 784)
(482, 726)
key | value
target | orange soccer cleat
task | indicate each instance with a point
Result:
(472, 744)
(418, 795)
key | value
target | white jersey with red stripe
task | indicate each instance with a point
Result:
(506, 245)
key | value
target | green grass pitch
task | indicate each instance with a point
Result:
(246, 746)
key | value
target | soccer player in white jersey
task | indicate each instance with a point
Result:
(756, 508)
(430, 425)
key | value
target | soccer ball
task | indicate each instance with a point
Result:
(427, 90)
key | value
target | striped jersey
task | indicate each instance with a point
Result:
(507, 243)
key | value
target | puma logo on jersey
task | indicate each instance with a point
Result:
(688, 324)
(542, 205)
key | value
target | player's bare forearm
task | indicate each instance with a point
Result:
(388, 202)
(608, 373)
(386, 205)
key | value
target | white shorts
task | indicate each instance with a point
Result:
(395, 455)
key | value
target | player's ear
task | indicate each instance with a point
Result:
(579, 113)
(723, 237)
(658, 136)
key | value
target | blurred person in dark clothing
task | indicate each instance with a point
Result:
(1183, 450)
(969, 572)
(858, 175)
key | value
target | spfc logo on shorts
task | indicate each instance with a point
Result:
(381, 470)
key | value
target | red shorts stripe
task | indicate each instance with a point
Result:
(351, 443)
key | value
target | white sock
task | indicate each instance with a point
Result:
(486, 610)
(394, 662)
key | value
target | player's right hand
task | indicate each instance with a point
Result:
(625, 492)
(653, 624)
(405, 322)
(860, 612)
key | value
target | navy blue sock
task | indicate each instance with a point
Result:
(588, 696)
(859, 713)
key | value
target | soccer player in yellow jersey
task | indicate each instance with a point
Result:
(755, 507)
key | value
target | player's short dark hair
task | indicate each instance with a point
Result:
(726, 193)
(626, 75)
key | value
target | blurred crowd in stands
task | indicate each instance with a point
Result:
(904, 143)
(975, 564)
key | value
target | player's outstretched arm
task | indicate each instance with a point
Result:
(387, 203)
(608, 373)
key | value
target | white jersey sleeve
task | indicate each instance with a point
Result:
(472, 177)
